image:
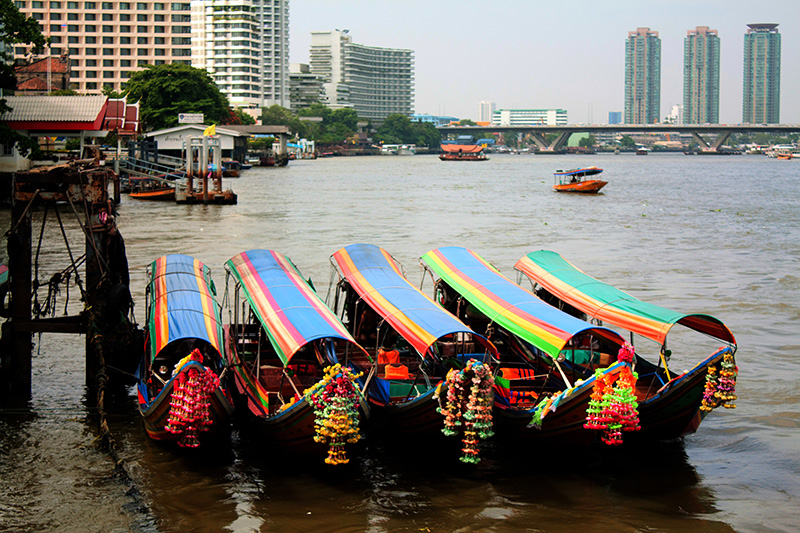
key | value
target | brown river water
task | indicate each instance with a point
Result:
(718, 235)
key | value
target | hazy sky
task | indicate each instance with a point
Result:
(567, 54)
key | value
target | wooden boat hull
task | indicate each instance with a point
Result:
(155, 414)
(560, 426)
(675, 410)
(463, 157)
(160, 195)
(588, 186)
(418, 416)
(292, 428)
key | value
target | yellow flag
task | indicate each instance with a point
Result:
(211, 130)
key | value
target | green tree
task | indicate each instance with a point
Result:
(627, 142)
(396, 129)
(165, 91)
(64, 92)
(276, 115)
(426, 134)
(588, 141)
(15, 28)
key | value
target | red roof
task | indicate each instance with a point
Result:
(35, 84)
(58, 65)
(71, 113)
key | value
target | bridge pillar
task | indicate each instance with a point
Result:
(716, 145)
(540, 141)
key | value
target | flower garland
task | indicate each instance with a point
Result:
(720, 389)
(335, 401)
(190, 401)
(626, 353)
(613, 408)
(471, 412)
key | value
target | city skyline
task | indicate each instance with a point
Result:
(536, 55)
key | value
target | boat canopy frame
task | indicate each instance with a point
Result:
(285, 305)
(378, 280)
(181, 304)
(509, 305)
(605, 302)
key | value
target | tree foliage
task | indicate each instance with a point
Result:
(399, 129)
(238, 117)
(15, 28)
(276, 115)
(627, 142)
(165, 91)
(588, 141)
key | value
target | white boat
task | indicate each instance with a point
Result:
(407, 149)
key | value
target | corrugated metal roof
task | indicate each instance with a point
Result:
(54, 108)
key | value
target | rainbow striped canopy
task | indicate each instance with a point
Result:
(506, 303)
(290, 311)
(3, 274)
(182, 303)
(377, 279)
(607, 303)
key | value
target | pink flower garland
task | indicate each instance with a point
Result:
(189, 403)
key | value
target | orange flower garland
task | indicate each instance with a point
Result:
(613, 408)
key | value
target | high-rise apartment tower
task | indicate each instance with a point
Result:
(376, 82)
(761, 102)
(485, 111)
(701, 76)
(244, 46)
(642, 77)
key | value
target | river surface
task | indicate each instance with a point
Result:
(717, 235)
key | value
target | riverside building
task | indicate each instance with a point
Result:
(529, 117)
(701, 76)
(642, 77)
(761, 102)
(375, 82)
(243, 44)
(106, 41)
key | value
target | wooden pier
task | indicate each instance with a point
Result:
(74, 192)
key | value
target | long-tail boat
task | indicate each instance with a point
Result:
(541, 391)
(413, 344)
(282, 349)
(181, 386)
(671, 403)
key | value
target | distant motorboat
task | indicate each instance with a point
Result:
(575, 180)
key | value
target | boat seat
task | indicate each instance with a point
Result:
(395, 371)
(518, 373)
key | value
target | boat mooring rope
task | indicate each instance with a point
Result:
(107, 442)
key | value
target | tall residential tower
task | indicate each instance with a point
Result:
(244, 46)
(701, 76)
(761, 103)
(376, 82)
(642, 77)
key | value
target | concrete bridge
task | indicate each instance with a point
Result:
(720, 131)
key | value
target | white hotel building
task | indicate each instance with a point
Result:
(529, 117)
(376, 82)
(244, 45)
